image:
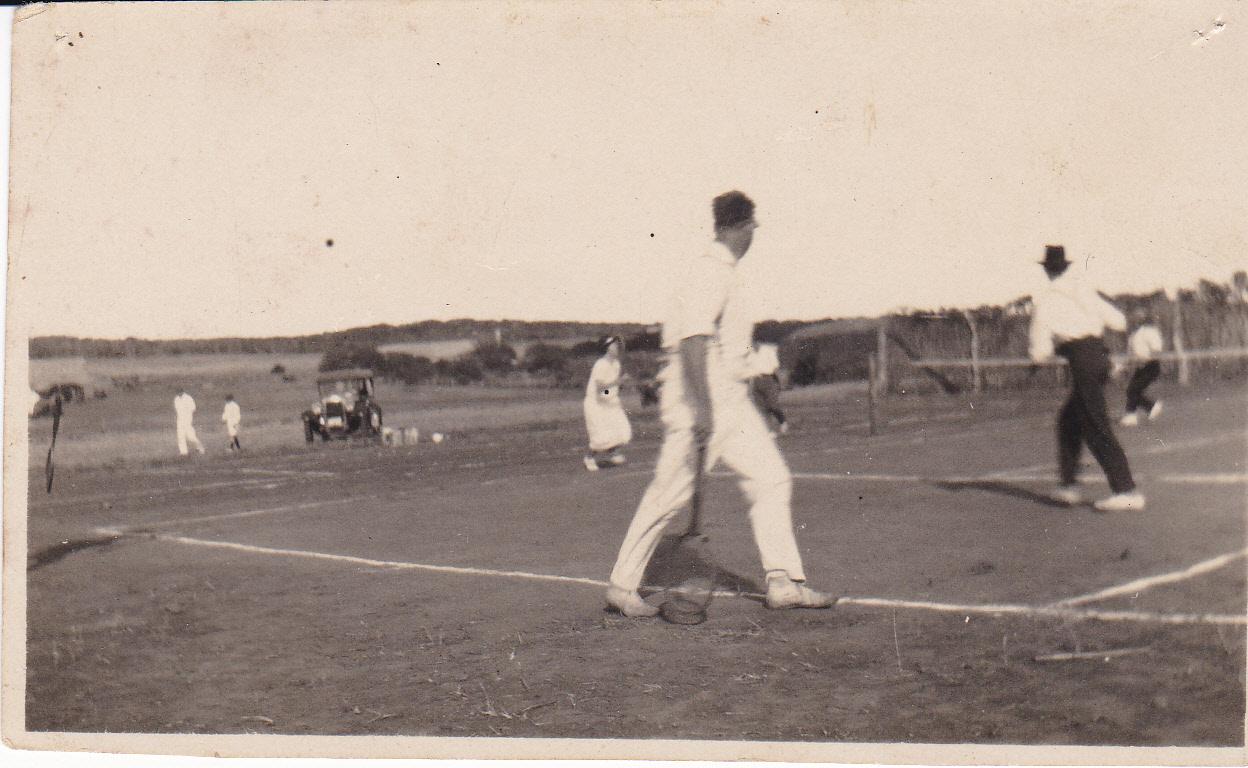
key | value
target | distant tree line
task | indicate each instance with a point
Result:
(375, 335)
(493, 361)
(1213, 315)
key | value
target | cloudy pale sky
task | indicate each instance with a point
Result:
(180, 168)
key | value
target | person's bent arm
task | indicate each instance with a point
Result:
(697, 389)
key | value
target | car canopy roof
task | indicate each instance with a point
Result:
(347, 374)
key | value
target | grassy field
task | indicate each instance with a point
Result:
(137, 424)
(167, 369)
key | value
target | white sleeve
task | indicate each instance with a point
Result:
(701, 299)
(1108, 313)
(1040, 346)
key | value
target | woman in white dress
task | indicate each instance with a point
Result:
(605, 419)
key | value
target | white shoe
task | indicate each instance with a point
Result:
(783, 592)
(591, 464)
(1155, 411)
(629, 603)
(1069, 495)
(617, 459)
(1130, 420)
(1122, 502)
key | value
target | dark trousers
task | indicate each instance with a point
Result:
(1140, 380)
(1085, 418)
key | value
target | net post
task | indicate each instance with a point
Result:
(873, 405)
(976, 374)
(881, 349)
(1185, 373)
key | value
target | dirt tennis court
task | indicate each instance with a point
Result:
(457, 590)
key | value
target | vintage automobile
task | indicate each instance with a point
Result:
(345, 407)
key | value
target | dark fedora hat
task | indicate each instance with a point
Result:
(1055, 257)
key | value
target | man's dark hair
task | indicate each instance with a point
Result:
(732, 208)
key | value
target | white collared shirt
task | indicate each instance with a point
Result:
(710, 300)
(700, 296)
(1145, 343)
(1068, 309)
(232, 414)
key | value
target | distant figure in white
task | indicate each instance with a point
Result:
(605, 420)
(184, 406)
(232, 415)
(1144, 345)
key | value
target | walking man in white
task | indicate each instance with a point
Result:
(706, 410)
(232, 415)
(184, 406)
(1143, 345)
(1074, 317)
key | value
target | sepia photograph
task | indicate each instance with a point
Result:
(848, 382)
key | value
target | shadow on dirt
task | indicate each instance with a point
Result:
(49, 555)
(1004, 489)
(676, 560)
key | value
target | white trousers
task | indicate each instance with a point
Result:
(186, 434)
(741, 439)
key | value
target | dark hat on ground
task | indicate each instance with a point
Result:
(1055, 257)
(732, 208)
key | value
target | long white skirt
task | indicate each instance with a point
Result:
(607, 423)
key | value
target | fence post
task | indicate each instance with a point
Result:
(873, 416)
(1185, 374)
(975, 372)
(881, 348)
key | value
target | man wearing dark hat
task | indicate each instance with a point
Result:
(706, 411)
(1069, 319)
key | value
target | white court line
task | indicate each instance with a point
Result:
(1212, 478)
(1185, 478)
(234, 515)
(878, 443)
(1195, 442)
(119, 498)
(288, 472)
(389, 564)
(1027, 610)
(1163, 447)
(1190, 478)
(1139, 585)
(1053, 611)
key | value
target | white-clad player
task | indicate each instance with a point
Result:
(706, 410)
(184, 407)
(1144, 345)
